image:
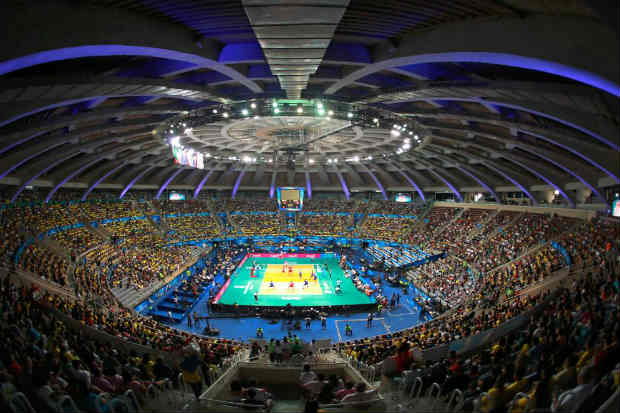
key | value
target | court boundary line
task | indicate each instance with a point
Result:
(356, 320)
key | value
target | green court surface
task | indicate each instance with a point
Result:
(272, 282)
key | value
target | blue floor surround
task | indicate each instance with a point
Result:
(405, 315)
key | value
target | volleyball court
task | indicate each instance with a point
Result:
(291, 278)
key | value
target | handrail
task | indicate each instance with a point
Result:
(611, 404)
(44, 284)
(457, 395)
(260, 407)
(368, 402)
(419, 385)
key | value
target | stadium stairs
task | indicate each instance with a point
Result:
(482, 226)
(157, 228)
(449, 223)
(54, 247)
(505, 227)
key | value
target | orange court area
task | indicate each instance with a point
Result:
(282, 280)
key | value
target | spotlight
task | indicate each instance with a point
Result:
(225, 114)
(214, 110)
(184, 124)
(276, 111)
(356, 158)
(244, 112)
(330, 112)
(300, 109)
(319, 105)
(310, 161)
(321, 112)
(349, 115)
(395, 133)
(253, 105)
(375, 120)
(256, 117)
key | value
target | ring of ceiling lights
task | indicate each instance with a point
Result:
(312, 131)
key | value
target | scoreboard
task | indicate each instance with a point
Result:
(290, 198)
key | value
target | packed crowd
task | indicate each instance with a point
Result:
(323, 225)
(256, 224)
(388, 229)
(48, 359)
(191, 228)
(565, 358)
(524, 233)
(556, 354)
(448, 280)
(77, 240)
(424, 234)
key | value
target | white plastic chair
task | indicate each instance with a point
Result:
(67, 405)
(19, 404)
(434, 392)
(458, 399)
(131, 396)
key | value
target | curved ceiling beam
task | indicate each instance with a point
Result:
(53, 95)
(80, 52)
(355, 176)
(431, 168)
(466, 170)
(272, 186)
(308, 185)
(523, 163)
(480, 181)
(509, 178)
(547, 44)
(343, 184)
(374, 178)
(32, 130)
(135, 179)
(595, 155)
(598, 128)
(76, 172)
(538, 170)
(509, 140)
(238, 181)
(104, 31)
(533, 171)
(8, 144)
(167, 182)
(408, 179)
(102, 178)
(496, 168)
(41, 172)
(204, 180)
(20, 158)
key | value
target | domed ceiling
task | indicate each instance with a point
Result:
(459, 96)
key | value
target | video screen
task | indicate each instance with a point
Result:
(188, 157)
(176, 196)
(402, 197)
(291, 199)
(615, 208)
